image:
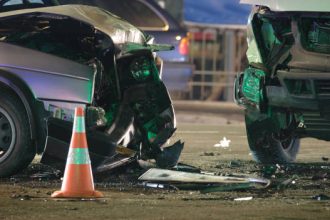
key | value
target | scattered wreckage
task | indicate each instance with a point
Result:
(206, 182)
(286, 88)
(54, 59)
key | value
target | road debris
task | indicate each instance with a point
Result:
(200, 181)
(159, 186)
(286, 183)
(224, 143)
(321, 176)
(208, 154)
(244, 199)
(234, 163)
(46, 175)
(325, 158)
(123, 157)
(321, 197)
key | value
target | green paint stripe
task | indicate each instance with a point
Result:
(78, 156)
(79, 124)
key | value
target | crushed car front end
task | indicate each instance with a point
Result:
(73, 55)
(285, 89)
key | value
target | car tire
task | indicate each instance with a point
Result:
(265, 145)
(16, 147)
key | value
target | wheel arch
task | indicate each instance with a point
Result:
(15, 85)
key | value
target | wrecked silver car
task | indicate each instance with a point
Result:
(286, 88)
(54, 59)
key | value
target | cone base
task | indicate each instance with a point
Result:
(90, 194)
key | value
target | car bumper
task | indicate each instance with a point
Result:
(315, 98)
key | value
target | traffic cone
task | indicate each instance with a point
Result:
(78, 178)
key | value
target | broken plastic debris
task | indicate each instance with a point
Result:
(46, 175)
(186, 168)
(322, 176)
(161, 175)
(234, 163)
(223, 143)
(204, 182)
(113, 163)
(169, 157)
(321, 197)
(158, 186)
(244, 198)
(288, 182)
(123, 157)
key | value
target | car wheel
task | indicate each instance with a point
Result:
(16, 147)
(269, 147)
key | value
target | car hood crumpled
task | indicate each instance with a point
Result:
(119, 30)
(292, 5)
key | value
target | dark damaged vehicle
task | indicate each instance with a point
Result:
(53, 59)
(286, 88)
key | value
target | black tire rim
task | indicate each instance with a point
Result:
(7, 134)
(286, 141)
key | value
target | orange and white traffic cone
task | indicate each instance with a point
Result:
(78, 178)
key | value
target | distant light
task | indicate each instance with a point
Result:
(161, 4)
(178, 37)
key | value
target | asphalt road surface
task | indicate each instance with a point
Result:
(298, 191)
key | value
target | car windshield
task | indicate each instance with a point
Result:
(136, 12)
(10, 5)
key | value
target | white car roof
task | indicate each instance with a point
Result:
(292, 5)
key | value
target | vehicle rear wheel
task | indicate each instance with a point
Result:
(16, 147)
(269, 147)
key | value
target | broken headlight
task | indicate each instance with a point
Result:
(140, 68)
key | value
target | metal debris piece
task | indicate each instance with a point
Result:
(288, 182)
(125, 151)
(159, 186)
(204, 182)
(46, 175)
(124, 156)
(234, 163)
(146, 165)
(162, 175)
(169, 156)
(186, 168)
(113, 163)
(244, 198)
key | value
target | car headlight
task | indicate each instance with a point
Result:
(140, 68)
